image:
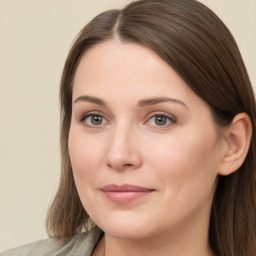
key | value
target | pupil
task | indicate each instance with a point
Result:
(96, 120)
(160, 120)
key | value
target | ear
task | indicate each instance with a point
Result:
(238, 138)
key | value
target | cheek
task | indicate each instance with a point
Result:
(186, 174)
(84, 155)
(186, 163)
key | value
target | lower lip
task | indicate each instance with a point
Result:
(125, 196)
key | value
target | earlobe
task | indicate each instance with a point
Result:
(238, 138)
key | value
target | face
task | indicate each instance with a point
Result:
(144, 149)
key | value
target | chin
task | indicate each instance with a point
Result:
(128, 233)
(126, 227)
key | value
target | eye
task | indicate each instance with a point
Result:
(160, 120)
(93, 120)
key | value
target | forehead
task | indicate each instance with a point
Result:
(124, 74)
(114, 62)
(115, 57)
(116, 70)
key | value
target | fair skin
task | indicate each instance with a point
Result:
(135, 121)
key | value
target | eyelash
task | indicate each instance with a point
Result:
(169, 118)
(98, 114)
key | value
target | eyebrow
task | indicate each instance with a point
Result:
(153, 101)
(91, 99)
(141, 103)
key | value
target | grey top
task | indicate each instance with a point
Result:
(80, 245)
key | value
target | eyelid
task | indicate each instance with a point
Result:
(91, 113)
(172, 118)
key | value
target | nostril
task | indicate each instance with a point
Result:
(127, 165)
(123, 160)
(120, 166)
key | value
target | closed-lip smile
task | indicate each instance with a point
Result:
(125, 193)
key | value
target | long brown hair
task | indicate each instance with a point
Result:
(200, 48)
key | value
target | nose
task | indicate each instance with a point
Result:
(123, 150)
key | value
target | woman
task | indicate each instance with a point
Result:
(158, 138)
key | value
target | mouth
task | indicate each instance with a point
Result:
(125, 193)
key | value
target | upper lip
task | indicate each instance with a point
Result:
(125, 188)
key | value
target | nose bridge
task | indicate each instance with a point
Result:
(123, 151)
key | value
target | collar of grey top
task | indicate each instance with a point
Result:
(80, 245)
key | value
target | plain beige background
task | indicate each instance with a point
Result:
(35, 37)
